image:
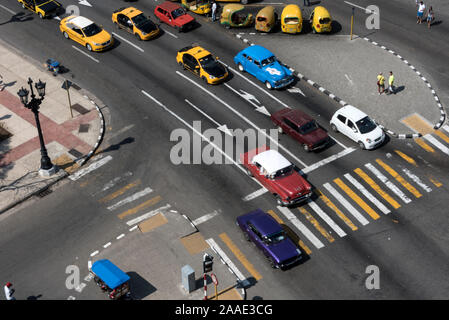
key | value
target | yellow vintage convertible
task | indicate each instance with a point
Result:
(197, 6)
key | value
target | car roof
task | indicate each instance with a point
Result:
(131, 12)
(198, 52)
(352, 113)
(297, 117)
(271, 160)
(263, 222)
(169, 6)
(258, 52)
(81, 22)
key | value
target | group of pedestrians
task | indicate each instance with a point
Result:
(421, 12)
(381, 83)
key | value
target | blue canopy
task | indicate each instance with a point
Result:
(109, 273)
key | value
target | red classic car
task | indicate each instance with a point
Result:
(301, 127)
(277, 174)
(174, 15)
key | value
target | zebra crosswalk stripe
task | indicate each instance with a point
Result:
(326, 218)
(437, 143)
(417, 180)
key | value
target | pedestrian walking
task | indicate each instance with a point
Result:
(420, 14)
(430, 17)
(306, 3)
(9, 291)
(391, 88)
(214, 10)
(380, 83)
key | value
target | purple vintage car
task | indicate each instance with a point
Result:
(268, 235)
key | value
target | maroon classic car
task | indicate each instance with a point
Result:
(174, 15)
(277, 174)
(301, 127)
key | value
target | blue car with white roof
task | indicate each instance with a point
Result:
(261, 63)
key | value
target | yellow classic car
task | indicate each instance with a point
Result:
(44, 8)
(86, 33)
(201, 63)
(135, 22)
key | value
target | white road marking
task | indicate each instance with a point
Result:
(89, 264)
(346, 204)
(120, 236)
(87, 55)
(249, 97)
(107, 245)
(436, 143)
(71, 298)
(367, 194)
(255, 194)
(94, 253)
(349, 79)
(84, 3)
(93, 166)
(148, 215)
(326, 218)
(128, 42)
(327, 160)
(223, 128)
(7, 9)
(88, 277)
(388, 183)
(131, 198)
(242, 117)
(122, 130)
(364, 9)
(174, 36)
(81, 286)
(112, 183)
(301, 227)
(446, 127)
(295, 90)
(211, 242)
(417, 180)
(205, 218)
(338, 142)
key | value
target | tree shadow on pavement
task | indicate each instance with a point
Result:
(140, 288)
(19, 17)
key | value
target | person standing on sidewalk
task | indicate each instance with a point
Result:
(430, 17)
(391, 84)
(421, 9)
(214, 10)
(380, 83)
(9, 291)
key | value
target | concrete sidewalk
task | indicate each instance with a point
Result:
(68, 140)
(348, 69)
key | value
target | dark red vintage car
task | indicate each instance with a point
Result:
(301, 127)
(277, 174)
(174, 15)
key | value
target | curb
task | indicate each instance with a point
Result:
(344, 103)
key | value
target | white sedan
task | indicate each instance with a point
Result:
(357, 126)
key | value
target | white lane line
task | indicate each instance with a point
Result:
(326, 218)
(327, 160)
(367, 194)
(7, 9)
(211, 242)
(128, 42)
(133, 228)
(120, 236)
(205, 218)
(148, 215)
(244, 118)
(301, 227)
(255, 194)
(356, 214)
(93, 166)
(436, 143)
(341, 144)
(202, 112)
(174, 36)
(417, 180)
(94, 253)
(107, 245)
(131, 198)
(364, 9)
(388, 183)
(446, 127)
(112, 183)
(87, 55)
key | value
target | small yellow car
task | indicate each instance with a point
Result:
(86, 33)
(43, 8)
(291, 19)
(320, 20)
(135, 22)
(201, 62)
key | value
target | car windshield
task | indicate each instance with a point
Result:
(268, 61)
(208, 61)
(91, 30)
(177, 13)
(283, 172)
(139, 19)
(308, 127)
(275, 237)
(366, 125)
(325, 20)
(291, 20)
(39, 2)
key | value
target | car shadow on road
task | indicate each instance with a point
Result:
(140, 288)
(295, 238)
(19, 17)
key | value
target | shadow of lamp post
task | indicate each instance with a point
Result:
(47, 168)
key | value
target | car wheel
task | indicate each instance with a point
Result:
(244, 1)
(279, 201)
(313, 29)
(272, 263)
(204, 79)
(362, 145)
(334, 128)
(248, 172)
(89, 47)
(268, 85)
(138, 37)
(41, 15)
(181, 65)
(66, 35)
(280, 130)
(246, 236)
(306, 147)
(241, 67)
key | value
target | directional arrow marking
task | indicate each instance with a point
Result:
(296, 90)
(84, 3)
(248, 97)
(221, 127)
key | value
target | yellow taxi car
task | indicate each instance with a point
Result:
(43, 8)
(85, 32)
(201, 62)
(135, 22)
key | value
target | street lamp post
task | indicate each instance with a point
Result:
(47, 168)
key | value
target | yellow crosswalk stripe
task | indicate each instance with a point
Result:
(357, 199)
(435, 182)
(401, 180)
(141, 206)
(290, 233)
(316, 224)
(340, 214)
(240, 256)
(442, 135)
(119, 192)
(376, 188)
(406, 157)
(424, 145)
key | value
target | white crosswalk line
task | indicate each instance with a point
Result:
(301, 227)
(211, 242)
(367, 194)
(388, 183)
(205, 218)
(417, 180)
(346, 204)
(148, 215)
(446, 127)
(255, 194)
(436, 143)
(131, 198)
(326, 218)
(93, 166)
(112, 182)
